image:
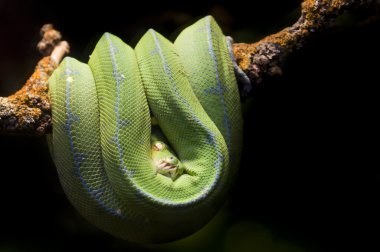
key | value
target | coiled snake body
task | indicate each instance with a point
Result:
(147, 141)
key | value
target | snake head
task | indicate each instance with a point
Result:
(165, 162)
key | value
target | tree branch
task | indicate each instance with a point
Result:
(28, 111)
(264, 57)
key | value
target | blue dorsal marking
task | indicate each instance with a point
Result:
(78, 157)
(153, 52)
(211, 137)
(118, 77)
(219, 88)
(120, 123)
(213, 91)
(125, 123)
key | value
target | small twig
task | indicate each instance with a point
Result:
(59, 51)
(51, 44)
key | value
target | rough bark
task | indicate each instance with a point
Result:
(264, 57)
(28, 111)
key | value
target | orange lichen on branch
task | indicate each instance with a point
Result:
(265, 56)
(28, 110)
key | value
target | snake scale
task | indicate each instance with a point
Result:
(147, 141)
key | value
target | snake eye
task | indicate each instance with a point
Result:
(171, 158)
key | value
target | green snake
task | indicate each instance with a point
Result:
(147, 141)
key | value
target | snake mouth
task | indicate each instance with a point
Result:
(168, 167)
(165, 165)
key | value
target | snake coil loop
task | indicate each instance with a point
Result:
(125, 174)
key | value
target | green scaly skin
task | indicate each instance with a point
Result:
(136, 182)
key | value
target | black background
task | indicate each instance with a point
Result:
(309, 172)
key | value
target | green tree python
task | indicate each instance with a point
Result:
(147, 141)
